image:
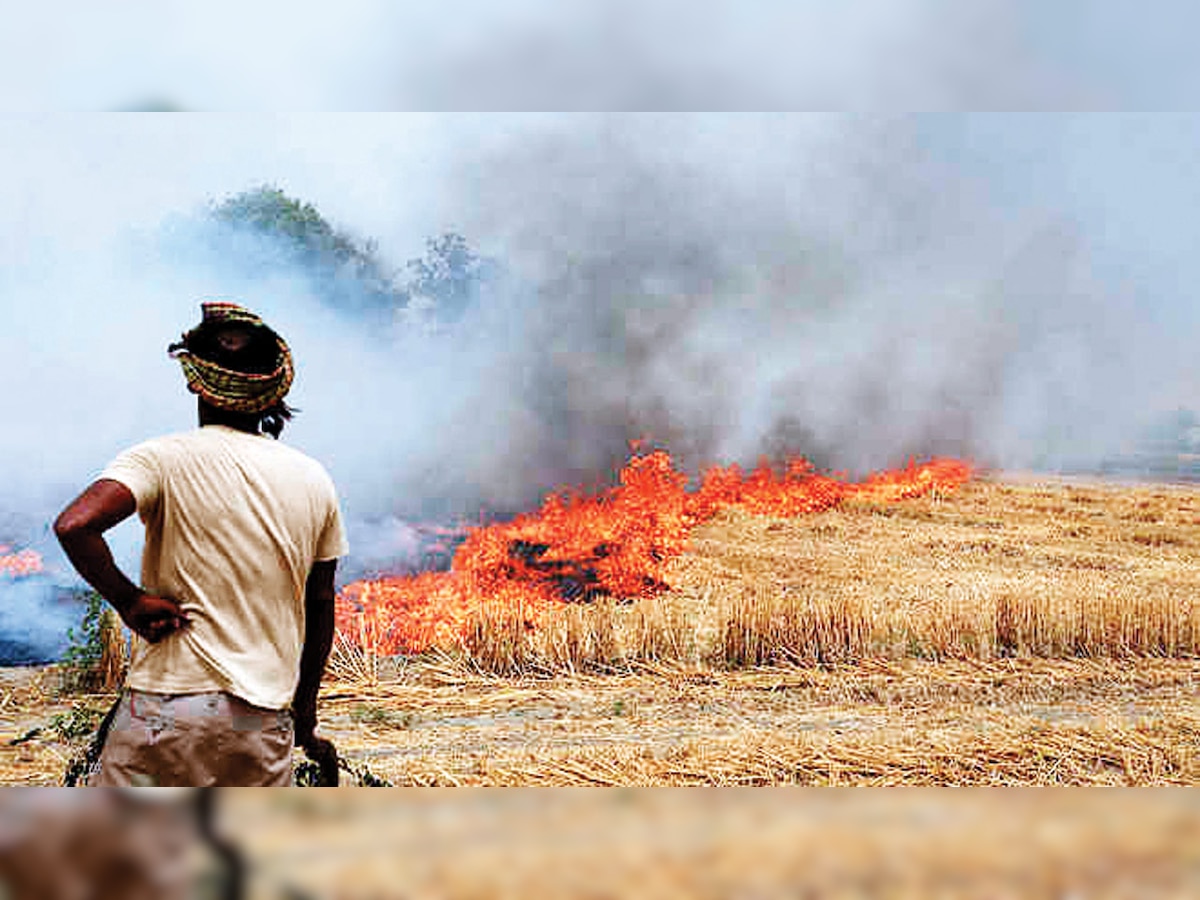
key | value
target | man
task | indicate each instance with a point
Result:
(234, 617)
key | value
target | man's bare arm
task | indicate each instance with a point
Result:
(318, 640)
(80, 529)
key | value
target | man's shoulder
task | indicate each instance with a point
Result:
(302, 461)
(163, 444)
(209, 441)
(201, 445)
(283, 456)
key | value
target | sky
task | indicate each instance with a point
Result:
(870, 55)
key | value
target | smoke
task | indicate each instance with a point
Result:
(683, 55)
(854, 289)
(841, 288)
(40, 638)
(616, 54)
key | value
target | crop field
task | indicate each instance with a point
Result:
(1015, 631)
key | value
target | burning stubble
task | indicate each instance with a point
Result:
(618, 545)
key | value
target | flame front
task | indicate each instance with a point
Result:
(616, 543)
(20, 564)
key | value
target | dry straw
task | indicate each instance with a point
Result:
(990, 573)
(353, 661)
(114, 653)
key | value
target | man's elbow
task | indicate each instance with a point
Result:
(68, 526)
(100, 507)
(74, 525)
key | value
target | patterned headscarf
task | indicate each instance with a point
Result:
(239, 392)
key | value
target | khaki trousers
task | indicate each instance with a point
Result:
(195, 740)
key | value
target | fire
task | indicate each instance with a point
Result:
(20, 564)
(618, 543)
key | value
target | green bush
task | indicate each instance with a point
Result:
(84, 666)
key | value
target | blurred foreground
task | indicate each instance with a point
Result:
(575, 843)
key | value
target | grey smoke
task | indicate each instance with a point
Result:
(734, 286)
(745, 55)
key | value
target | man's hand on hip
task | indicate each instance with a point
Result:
(154, 618)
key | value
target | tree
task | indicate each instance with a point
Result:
(348, 273)
(449, 276)
(271, 212)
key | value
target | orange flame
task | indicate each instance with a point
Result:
(19, 564)
(618, 542)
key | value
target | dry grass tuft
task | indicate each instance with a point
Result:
(353, 661)
(768, 627)
(114, 653)
(499, 641)
(603, 636)
(661, 631)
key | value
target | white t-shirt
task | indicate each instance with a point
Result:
(234, 523)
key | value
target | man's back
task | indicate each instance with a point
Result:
(234, 522)
(235, 611)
